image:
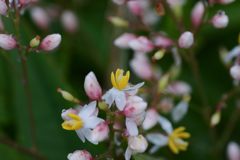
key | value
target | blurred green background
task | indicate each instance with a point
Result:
(91, 49)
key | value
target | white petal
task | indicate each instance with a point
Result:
(132, 90)
(165, 124)
(120, 100)
(88, 110)
(87, 134)
(128, 154)
(179, 111)
(92, 122)
(158, 139)
(131, 127)
(233, 53)
(153, 149)
(80, 135)
(108, 97)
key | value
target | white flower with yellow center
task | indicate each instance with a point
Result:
(174, 137)
(83, 122)
(120, 90)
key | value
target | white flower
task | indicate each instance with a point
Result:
(220, 20)
(120, 90)
(136, 144)
(174, 137)
(83, 122)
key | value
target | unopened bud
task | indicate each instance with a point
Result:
(123, 40)
(92, 87)
(35, 42)
(69, 21)
(40, 17)
(233, 151)
(220, 20)
(235, 72)
(100, 133)
(197, 13)
(3, 7)
(118, 22)
(186, 40)
(80, 155)
(7, 42)
(68, 96)
(50, 42)
(141, 44)
(159, 54)
(102, 105)
(138, 144)
(163, 82)
(215, 119)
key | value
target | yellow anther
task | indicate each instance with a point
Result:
(74, 124)
(120, 81)
(175, 140)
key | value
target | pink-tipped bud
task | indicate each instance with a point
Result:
(123, 40)
(137, 7)
(92, 87)
(197, 13)
(220, 20)
(179, 88)
(100, 133)
(233, 151)
(235, 72)
(50, 42)
(141, 44)
(186, 40)
(3, 7)
(69, 21)
(40, 17)
(7, 42)
(135, 106)
(80, 155)
(150, 120)
(141, 66)
(162, 41)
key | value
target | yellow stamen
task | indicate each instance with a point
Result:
(175, 140)
(120, 81)
(74, 124)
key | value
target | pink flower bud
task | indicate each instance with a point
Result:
(50, 42)
(233, 151)
(150, 120)
(186, 40)
(221, 1)
(141, 44)
(141, 66)
(69, 21)
(220, 20)
(197, 13)
(3, 7)
(92, 87)
(162, 41)
(123, 40)
(135, 105)
(235, 72)
(178, 88)
(80, 155)
(137, 7)
(40, 17)
(100, 133)
(65, 113)
(7, 42)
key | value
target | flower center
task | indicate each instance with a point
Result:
(176, 142)
(75, 123)
(120, 81)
